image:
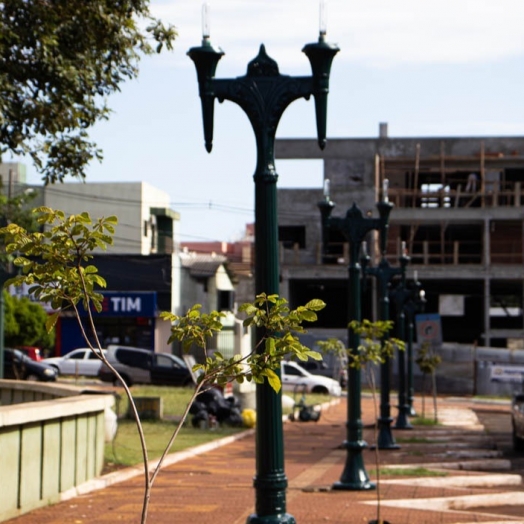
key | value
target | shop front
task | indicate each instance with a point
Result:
(127, 318)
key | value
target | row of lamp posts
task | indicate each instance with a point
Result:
(264, 94)
(355, 227)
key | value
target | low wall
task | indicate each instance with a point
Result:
(468, 370)
(52, 440)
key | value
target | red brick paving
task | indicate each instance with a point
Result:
(216, 487)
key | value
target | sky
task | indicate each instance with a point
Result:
(426, 67)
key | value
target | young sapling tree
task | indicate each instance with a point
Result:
(374, 348)
(428, 362)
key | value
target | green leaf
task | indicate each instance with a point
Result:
(273, 380)
(315, 355)
(51, 321)
(309, 316)
(316, 304)
(270, 346)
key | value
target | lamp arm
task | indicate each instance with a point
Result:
(321, 56)
(206, 58)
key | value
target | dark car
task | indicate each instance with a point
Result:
(20, 367)
(142, 366)
(517, 421)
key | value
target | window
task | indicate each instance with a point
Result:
(436, 195)
(135, 359)
(292, 235)
(225, 300)
(164, 361)
(291, 370)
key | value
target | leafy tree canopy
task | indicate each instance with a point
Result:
(59, 60)
(26, 323)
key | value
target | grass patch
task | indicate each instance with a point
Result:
(416, 453)
(492, 397)
(125, 450)
(421, 421)
(413, 440)
(174, 399)
(410, 472)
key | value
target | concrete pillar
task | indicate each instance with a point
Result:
(486, 251)
(487, 327)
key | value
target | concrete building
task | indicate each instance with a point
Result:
(238, 258)
(146, 224)
(458, 206)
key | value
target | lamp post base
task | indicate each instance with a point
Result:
(358, 485)
(354, 477)
(284, 518)
(402, 418)
(385, 439)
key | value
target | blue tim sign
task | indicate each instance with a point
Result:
(127, 304)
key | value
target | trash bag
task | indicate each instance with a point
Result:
(212, 401)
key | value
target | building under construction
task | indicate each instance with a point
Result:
(459, 208)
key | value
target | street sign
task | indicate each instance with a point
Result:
(429, 328)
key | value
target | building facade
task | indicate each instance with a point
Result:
(459, 208)
(144, 269)
(146, 224)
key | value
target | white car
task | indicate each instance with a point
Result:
(297, 378)
(78, 362)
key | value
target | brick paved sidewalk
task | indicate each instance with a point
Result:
(216, 487)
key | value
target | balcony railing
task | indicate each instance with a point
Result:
(494, 194)
(424, 252)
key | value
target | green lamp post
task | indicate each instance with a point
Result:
(354, 226)
(264, 94)
(384, 273)
(401, 294)
(414, 305)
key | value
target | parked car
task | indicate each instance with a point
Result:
(32, 352)
(294, 376)
(18, 366)
(80, 361)
(517, 421)
(332, 365)
(142, 366)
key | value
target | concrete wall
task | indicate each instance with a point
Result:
(469, 370)
(52, 441)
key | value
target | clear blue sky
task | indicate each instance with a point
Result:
(428, 68)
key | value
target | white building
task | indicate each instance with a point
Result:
(146, 224)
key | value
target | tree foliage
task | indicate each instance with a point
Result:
(279, 325)
(53, 262)
(26, 323)
(59, 60)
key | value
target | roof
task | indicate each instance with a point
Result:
(202, 265)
